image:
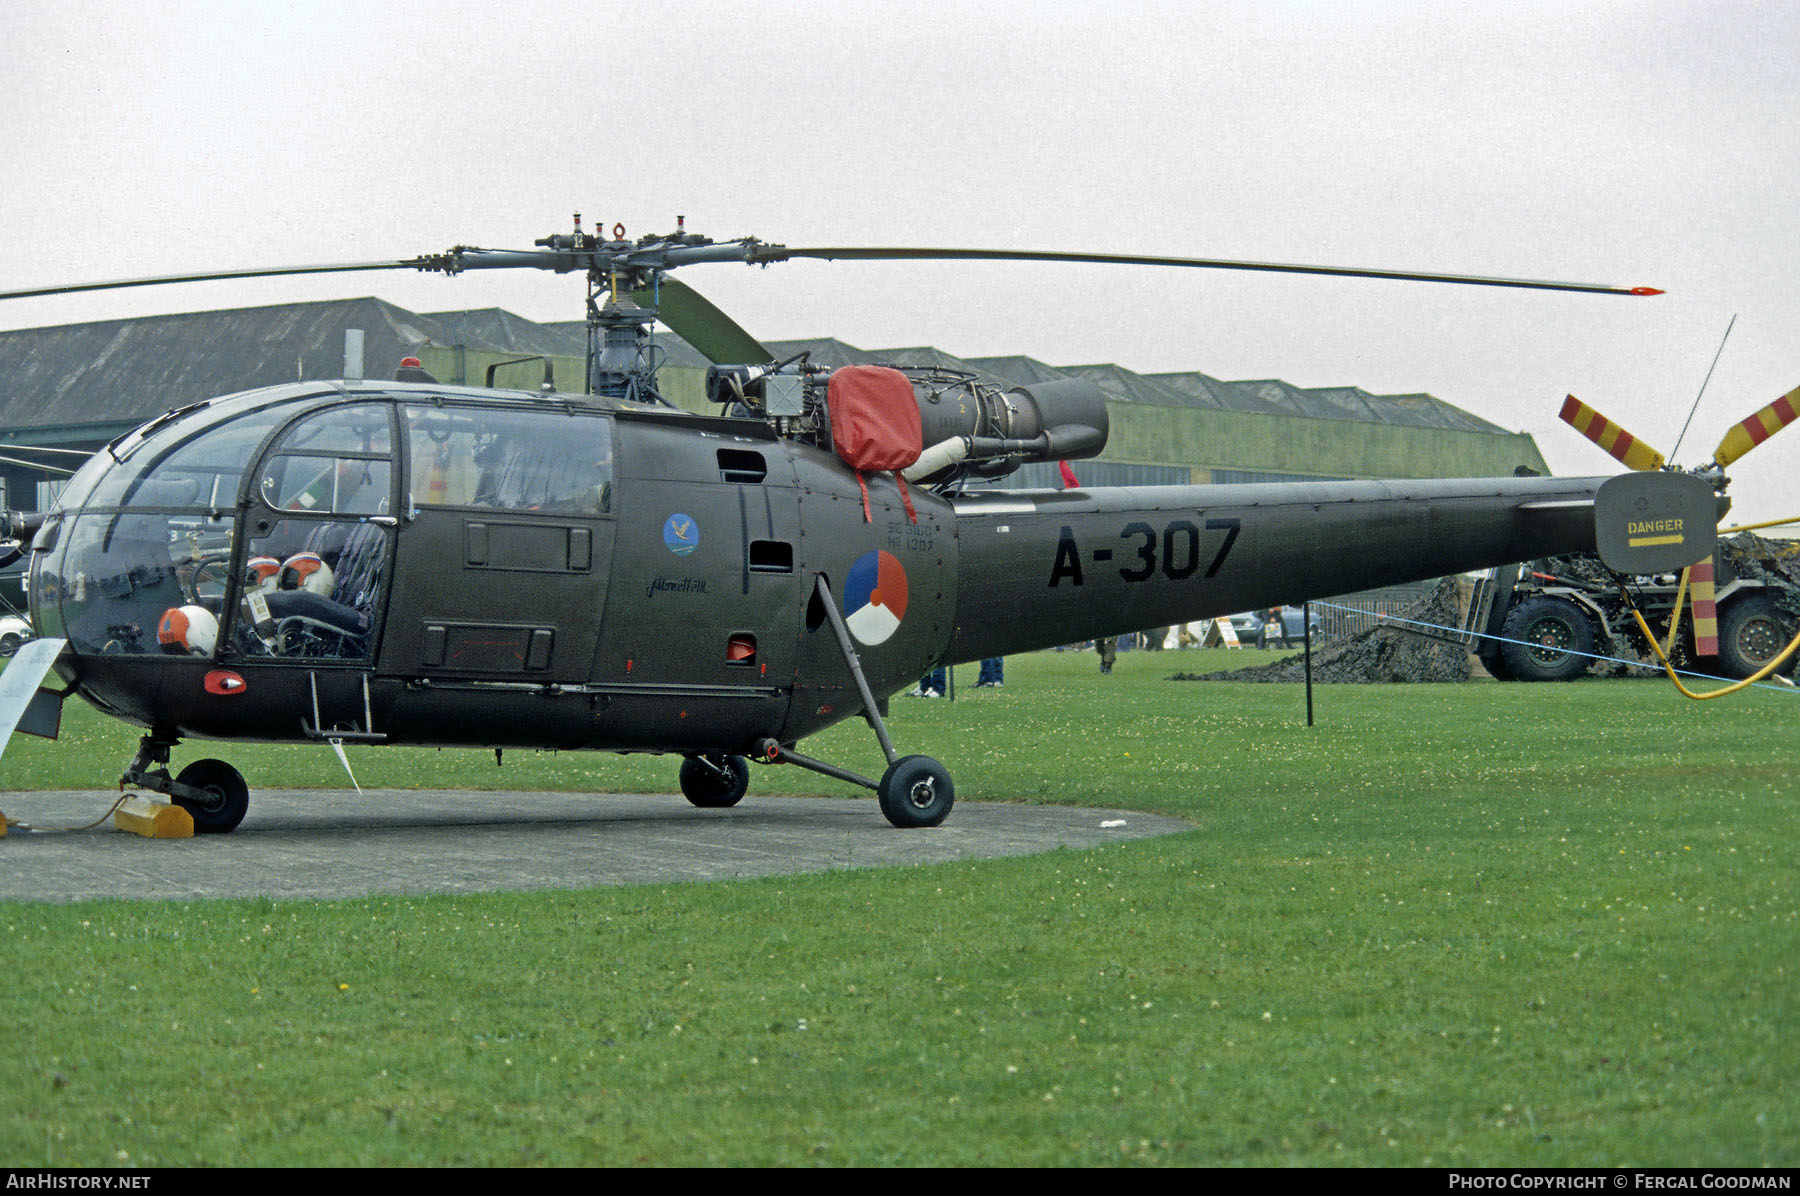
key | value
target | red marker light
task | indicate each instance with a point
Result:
(1645, 291)
(225, 683)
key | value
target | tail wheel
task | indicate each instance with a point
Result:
(1549, 639)
(714, 782)
(1751, 634)
(224, 798)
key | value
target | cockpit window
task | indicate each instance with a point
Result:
(362, 428)
(145, 565)
(551, 461)
(341, 485)
(335, 460)
(178, 467)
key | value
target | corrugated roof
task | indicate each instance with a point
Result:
(675, 350)
(128, 370)
(497, 328)
(925, 356)
(1212, 392)
(1125, 386)
(1017, 370)
(1354, 403)
(123, 371)
(824, 350)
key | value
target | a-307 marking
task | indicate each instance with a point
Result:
(1174, 552)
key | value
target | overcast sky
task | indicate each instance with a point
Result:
(1653, 143)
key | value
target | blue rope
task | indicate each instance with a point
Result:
(1501, 639)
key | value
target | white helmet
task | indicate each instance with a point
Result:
(307, 571)
(190, 629)
(262, 574)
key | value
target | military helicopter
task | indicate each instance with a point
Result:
(405, 562)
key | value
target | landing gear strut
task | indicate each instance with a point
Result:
(211, 791)
(915, 791)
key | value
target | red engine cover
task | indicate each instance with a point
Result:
(874, 418)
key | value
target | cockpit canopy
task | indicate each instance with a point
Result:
(261, 524)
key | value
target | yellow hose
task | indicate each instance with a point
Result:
(1752, 679)
(1675, 622)
(1750, 527)
(1675, 618)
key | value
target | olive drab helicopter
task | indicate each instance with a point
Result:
(405, 562)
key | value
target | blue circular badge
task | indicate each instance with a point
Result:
(681, 535)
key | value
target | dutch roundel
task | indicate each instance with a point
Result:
(875, 597)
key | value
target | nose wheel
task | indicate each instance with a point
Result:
(211, 791)
(217, 796)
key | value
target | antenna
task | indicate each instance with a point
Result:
(1703, 382)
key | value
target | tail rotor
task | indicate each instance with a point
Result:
(1612, 438)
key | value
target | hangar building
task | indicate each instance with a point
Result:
(76, 386)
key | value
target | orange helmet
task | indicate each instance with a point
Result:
(188, 629)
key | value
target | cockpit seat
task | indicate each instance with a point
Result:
(311, 624)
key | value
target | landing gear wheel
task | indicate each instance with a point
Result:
(1558, 640)
(9, 643)
(916, 791)
(1751, 634)
(227, 797)
(714, 782)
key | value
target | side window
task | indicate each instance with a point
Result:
(550, 462)
(336, 461)
(314, 577)
(313, 588)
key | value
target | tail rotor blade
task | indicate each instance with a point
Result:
(1759, 427)
(1613, 439)
(1706, 617)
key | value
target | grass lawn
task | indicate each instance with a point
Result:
(1479, 924)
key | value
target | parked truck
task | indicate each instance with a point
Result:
(1547, 620)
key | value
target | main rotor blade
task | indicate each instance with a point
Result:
(759, 255)
(715, 335)
(266, 272)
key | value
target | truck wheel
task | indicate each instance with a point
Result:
(1550, 639)
(1751, 634)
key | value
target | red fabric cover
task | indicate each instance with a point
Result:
(874, 418)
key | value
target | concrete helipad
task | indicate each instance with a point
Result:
(331, 843)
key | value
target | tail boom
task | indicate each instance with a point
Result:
(1041, 568)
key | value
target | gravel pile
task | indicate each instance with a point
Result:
(1377, 656)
